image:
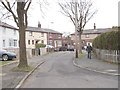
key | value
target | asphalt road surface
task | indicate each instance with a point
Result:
(59, 72)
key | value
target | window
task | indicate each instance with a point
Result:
(59, 36)
(30, 33)
(10, 42)
(50, 35)
(42, 41)
(3, 43)
(32, 41)
(15, 43)
(42, 34)
(50, 42)
(29, 42)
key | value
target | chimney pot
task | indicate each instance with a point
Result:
(39, 25)
(94, 26)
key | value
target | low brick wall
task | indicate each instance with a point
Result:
(108, 55)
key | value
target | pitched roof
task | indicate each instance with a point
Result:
(38, 29)
(95, 31)
(6, 25)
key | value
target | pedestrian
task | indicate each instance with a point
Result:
(89, 49)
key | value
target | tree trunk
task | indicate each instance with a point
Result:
(22, 43)
(80, 43)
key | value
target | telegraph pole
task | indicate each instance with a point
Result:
(76, 27)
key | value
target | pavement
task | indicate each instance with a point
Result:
(12, 79)
(96, 65)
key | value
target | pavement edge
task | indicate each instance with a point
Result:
(23, 80)
(75, 64)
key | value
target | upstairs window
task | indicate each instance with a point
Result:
(30, 33)
(42, 34)
(59, 36)
(50, 35)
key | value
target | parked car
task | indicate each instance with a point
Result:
(5, 55)
(70, 48)
(49, 46)
(63, 48)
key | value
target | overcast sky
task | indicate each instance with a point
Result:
(106, 17)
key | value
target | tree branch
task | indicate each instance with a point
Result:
(10, 10)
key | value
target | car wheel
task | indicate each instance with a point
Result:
(5, 57)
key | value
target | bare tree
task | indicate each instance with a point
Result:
(84, 13)
(20, 18)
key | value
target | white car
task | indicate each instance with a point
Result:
(49, 46)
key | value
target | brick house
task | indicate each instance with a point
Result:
(90, 34)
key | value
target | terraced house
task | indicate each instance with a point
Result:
(9, 36)
(89, 35)
(43, 35)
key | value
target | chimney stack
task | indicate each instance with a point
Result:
(94, 26)
(39, 25)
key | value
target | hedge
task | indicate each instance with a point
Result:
(108, 41)
(41, 45)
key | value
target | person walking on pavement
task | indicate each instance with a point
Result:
(89, 49)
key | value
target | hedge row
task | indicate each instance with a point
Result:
(40, 45)
(108, 41)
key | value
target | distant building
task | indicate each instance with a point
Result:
(89, 35)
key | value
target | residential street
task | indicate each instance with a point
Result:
(59, 72)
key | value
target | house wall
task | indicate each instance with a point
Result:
(54, 39)
(86, 38)
(35, 37)
(0, 37)
(9, 38)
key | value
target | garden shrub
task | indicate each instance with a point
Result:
(108, 41)
(41, 45)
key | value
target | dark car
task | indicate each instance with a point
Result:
(4, 55)
(63, 48)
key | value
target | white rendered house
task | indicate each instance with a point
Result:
(9, 36)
